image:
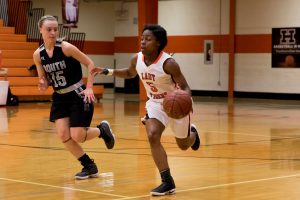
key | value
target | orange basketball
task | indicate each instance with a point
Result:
(177, 104)
(289, 61)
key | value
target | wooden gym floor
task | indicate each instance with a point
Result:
(250, 150)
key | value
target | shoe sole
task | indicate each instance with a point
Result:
(86, 177)
(198, 138)
(114, 139)
(106, 122)
(170, 192)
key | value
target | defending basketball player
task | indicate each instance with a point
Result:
(160, 74)
(58, 65)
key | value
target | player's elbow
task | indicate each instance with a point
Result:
(130, 75)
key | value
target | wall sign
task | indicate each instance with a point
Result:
(208, 51)
(286, 47)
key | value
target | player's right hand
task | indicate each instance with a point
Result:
(43, 84)
(97, 70)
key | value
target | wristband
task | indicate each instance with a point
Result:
(108, 72)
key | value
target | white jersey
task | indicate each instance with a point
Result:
(156, 82)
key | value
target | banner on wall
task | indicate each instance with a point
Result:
(70, 11)
(286, 47)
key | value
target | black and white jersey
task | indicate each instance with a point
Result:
(62, 71)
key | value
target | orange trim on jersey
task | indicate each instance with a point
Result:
(157, 59)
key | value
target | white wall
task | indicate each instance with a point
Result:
(96, 19)
(122, 60)
(125, 27)
(204, 77)
(260, 16)
(198, 17)
(254, 75)
(253, 71)
(190, 17)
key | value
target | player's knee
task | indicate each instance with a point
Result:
(79, 134)
(65, 139)
(183, 146)
(76, 137)
(64, 135)
(154, 138)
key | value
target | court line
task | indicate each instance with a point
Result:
(239, 133)
(59, 187)
(219, 185)
(174, 155)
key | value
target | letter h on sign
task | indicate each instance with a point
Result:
(287, 36)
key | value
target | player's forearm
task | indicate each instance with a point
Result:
(90, 82)
(121, 73)
(90, 78)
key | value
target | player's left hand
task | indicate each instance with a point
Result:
(89, 96)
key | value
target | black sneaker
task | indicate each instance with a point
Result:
(106, 134)
(196, 144)
(166, 188)
(89, 171)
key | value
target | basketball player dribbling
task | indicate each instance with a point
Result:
(160, 74)
(58, 65)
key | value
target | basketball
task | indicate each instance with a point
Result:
(177, 104)
(289, 61)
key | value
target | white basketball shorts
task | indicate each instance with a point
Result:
(180, 127)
